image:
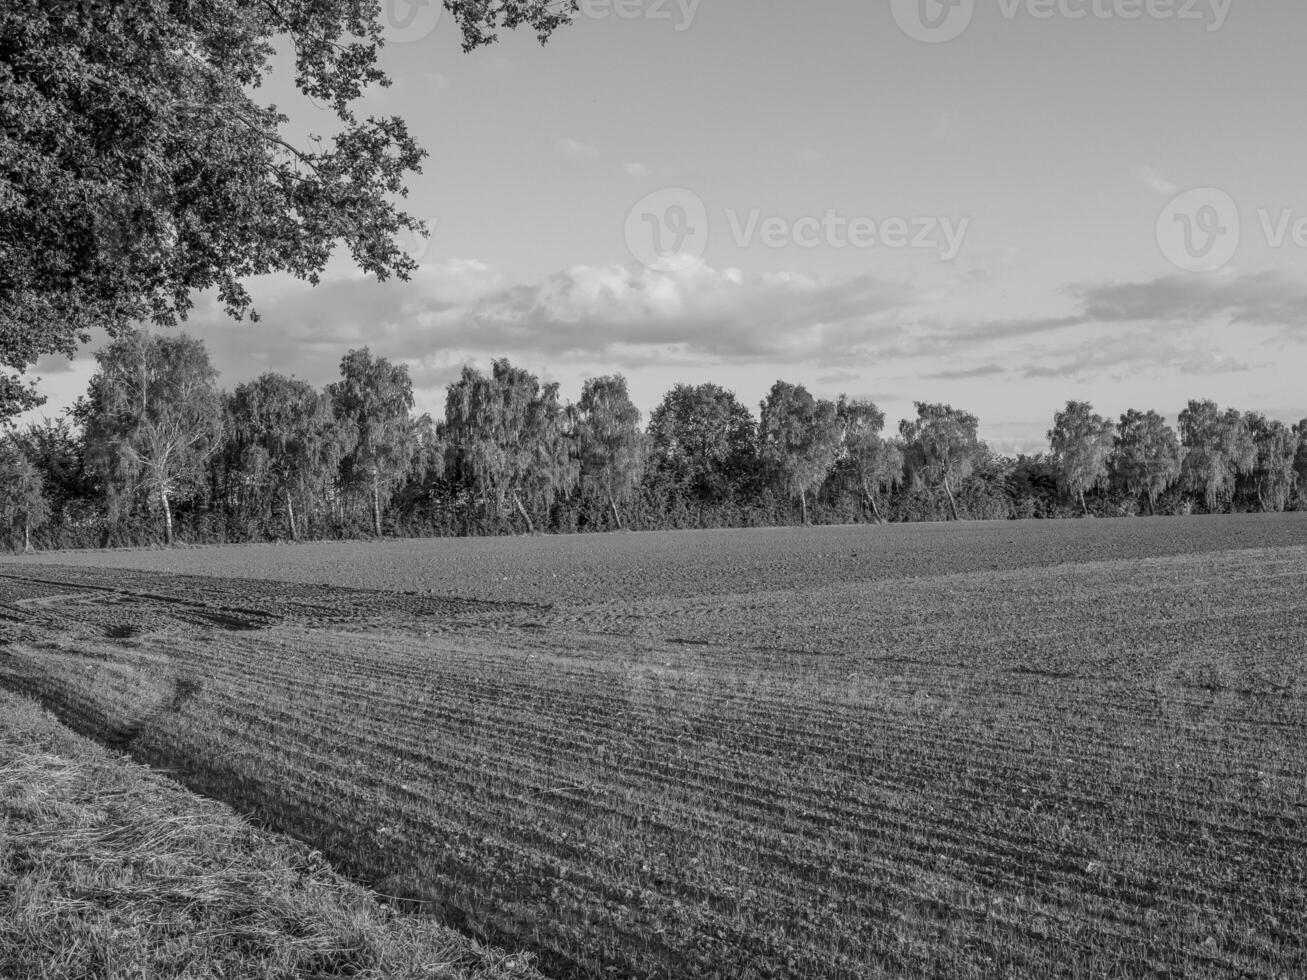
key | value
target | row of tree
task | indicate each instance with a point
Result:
(156, 449)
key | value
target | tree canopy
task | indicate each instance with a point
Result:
(942, 446)
(137, 164)
(1081, 444)
(1147, 455)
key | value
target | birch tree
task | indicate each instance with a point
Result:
(286, 441)
(1081, 444)
(610, 443)
(942, 448)
(372, 402)
(798, 440)
(1146, 455)
(153, 416)
(875, 463)
(510, 438)
(1218, 450)
(1272, 475)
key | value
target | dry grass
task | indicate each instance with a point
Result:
(109, 870)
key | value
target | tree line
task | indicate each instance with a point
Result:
(156, 451)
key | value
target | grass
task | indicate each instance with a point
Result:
(110, 871)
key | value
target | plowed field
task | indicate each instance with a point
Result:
(1074, 749)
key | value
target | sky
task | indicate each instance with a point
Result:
(999, 204)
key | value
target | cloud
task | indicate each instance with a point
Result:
(965, 374)
(1267, 299)
(575, 150)
(1159, 184)
(839, 378)
(626, 319)
(48, 364)
(636, 169)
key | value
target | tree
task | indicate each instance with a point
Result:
(58, 453)
(1146, 456)
(702, 439)
(286, 442)
(152, 417)
(1272, 474)
(136, 165)
(22, 491)
(874, 463)
(510, 438)
(942, 447)
(1300, 460)
(798, 439)
(1218, 449)
(372, 401)
(610, 442)
(1080, 443)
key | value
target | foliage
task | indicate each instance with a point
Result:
(1300, 460)
(702, 439)
(137, 164)
(610, 444)
(286, 443)
(1147, 455)
(868, 463)
(798, 440)
(1218, 449)
(1272, 474)
(941, 448)
(1081, 444)
(373, 400)
(152, 417)
(509, 439)
(23, 504)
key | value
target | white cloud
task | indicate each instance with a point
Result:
(636, 169)
(1160, 185)
(576, 150)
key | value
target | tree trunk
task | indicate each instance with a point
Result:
(376, 503)
(290, 516)
(952, 504)
(1084, 506)
(869, 499)
(803, 506)
(616, 516)
(1152, 510)
(167, 516)
(27, 536)
(1261, 501)
(530, 527)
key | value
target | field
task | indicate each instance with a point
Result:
(1074, 749)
